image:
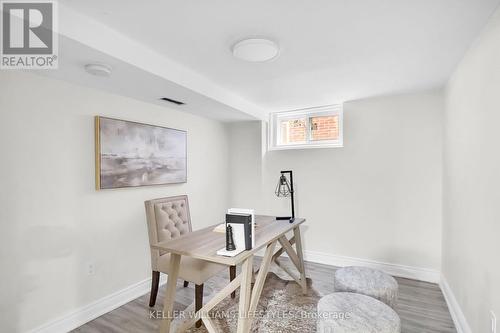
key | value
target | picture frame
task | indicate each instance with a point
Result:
(133, 154)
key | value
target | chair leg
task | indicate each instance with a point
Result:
(186, 283)
(198, 300)
(232, 276)
(155, 281)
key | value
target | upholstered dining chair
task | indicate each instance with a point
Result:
(169, 218)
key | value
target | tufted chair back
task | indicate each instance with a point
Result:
(167, 218)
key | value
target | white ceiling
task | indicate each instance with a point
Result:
(331, 50)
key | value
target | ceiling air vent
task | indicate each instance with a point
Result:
(172, 101)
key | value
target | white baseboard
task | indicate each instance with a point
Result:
(97, 308)
(456, 312)
(410, 272)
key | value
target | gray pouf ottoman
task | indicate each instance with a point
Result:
(367, 281)
(355, 313)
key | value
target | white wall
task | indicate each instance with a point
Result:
(53, 222)
(377, 198)
(471, 226)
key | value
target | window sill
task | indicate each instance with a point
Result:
(307, 146)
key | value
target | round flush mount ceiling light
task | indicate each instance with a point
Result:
(98, 69)
(256, 50)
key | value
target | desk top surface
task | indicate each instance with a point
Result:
(204, 243)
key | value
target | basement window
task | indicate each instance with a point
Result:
(308, 128)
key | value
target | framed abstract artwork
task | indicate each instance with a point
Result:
(130, 154)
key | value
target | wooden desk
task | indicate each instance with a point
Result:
(203, 244)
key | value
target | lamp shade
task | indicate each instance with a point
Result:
(283, 187)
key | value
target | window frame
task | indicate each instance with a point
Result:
(275, 128)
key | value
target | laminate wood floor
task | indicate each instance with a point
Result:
(421, 305)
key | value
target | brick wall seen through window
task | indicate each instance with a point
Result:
(308, 128)
(325, 128)
(293, 131)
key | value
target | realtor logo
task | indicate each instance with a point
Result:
(28, 37)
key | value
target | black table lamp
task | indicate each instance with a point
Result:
(285, 189)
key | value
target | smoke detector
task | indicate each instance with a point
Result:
(98, 69)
